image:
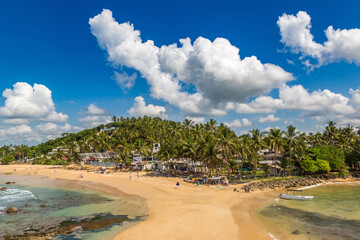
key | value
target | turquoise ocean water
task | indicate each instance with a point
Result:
(64, 200)
(333, 214)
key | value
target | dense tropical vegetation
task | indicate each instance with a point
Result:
(214, 145)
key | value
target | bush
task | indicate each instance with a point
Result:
(323, 166)
(7, 159)
(325, 158)
(308, 165)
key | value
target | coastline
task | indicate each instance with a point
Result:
(184, 212)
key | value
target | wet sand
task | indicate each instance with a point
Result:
(174, 212)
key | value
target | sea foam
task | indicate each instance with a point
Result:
(272, 236)
(312, 186)
(14, 195)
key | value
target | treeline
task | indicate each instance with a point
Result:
(213, 144)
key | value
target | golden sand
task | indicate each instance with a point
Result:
(175, 212)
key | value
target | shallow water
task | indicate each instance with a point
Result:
(334, 213)
(64, 200)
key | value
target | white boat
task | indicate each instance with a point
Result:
(294, 196)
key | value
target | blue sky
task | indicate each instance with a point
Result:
(52, 44)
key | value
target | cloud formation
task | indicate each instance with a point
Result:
(355, 99)
(57, 129)
(95, 116)
(23, 133)
(269, 118)
(298, 98)
(25, 103)
(95, 120)
(237, 123)
(196, 119)
(341, 44)
(92, 109)
(214, 69)
(140, 109)
(124, 80)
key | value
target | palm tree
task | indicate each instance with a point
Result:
(211, 156)
(244, 149)
(211, 125)
(276, 142)
(141, 148)
(347, 137)
(124, 150)
(258, 144)
(226, 140)
(331, 133)
(316, 139)
(291, 140)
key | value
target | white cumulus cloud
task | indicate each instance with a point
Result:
(269, 118)
(196, 119)
(237, 123)
(298, 98)
(57, 129)
(355, 99)
(341, 44)
(26, 103)
(214, 68)
(95, 120)
(15, 134)
(92, 109)
(15, 121)
(141, 109)
(124, 80)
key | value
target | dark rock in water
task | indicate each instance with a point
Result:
(12, 210)
(27, 205)
(43, 205)
(9, 182)
(3, 188)
(76, 229)
(70, 227)
(296, 232)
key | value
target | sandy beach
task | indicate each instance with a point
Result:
(175, 212)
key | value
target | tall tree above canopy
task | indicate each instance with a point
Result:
(258, 144)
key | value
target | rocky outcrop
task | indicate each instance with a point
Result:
(12, 210)
(70, 227)
(355, 175)
(287, 183)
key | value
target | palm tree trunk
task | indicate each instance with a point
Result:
(255, 165)
(290, 160)
(241, 168)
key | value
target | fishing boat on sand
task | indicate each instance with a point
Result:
(295, 196)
